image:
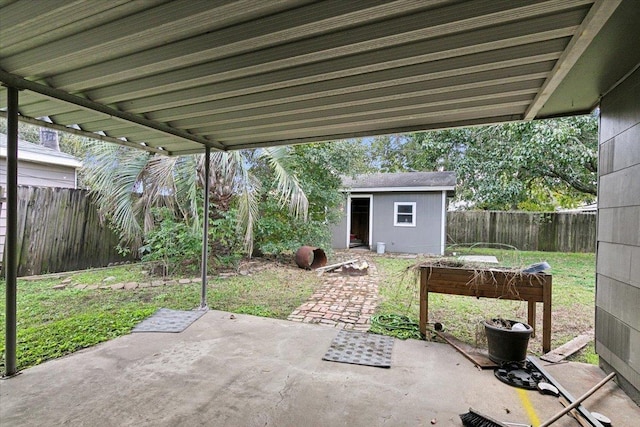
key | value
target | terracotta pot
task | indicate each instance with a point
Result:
(308, 257)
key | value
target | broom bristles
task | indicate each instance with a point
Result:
(474, 418)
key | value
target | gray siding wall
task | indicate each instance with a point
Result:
(339, 230)
(425, 237)
(618, 250)
(41, 175)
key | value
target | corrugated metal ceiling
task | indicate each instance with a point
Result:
(172, 76)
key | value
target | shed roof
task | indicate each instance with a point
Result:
(403, 181)
(39, 154)
(175, 76)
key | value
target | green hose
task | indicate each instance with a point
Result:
(395, 325)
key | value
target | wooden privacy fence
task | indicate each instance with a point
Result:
(59, 230)
(527, 231)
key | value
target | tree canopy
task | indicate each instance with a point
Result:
(276, 199)
(129, 183)
(537, 165)
(319, 168)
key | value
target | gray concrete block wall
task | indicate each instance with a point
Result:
(618, 251)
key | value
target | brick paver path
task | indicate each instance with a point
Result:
(342, 301)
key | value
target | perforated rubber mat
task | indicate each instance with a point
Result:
(518, 374)
(361, 348)
(166, 320)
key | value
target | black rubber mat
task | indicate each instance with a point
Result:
(519, 374)
(166, 320)
(361, 348)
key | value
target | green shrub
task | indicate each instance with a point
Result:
(174, 244)
(278, 233)
(225, 239)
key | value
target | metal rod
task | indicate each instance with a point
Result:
(578, 401)
(205, 228)
(563, 391)
(11, 266)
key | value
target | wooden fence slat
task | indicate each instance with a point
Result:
(24, 201)
(530, 231)
(59, 230)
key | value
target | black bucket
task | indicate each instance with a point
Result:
(505, 344)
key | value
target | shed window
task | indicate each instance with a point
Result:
(404, 214)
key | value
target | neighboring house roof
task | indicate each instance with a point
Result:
(405, 181)
(30, 152)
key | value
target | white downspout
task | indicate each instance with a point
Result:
(443, 238)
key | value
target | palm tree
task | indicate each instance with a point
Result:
(128, 183)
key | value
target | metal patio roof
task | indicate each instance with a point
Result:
(174, 76)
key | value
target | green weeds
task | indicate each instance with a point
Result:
(572, 306)
(53, 323)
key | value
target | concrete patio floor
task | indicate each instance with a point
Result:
(252, 371)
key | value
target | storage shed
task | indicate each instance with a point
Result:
(404, 212)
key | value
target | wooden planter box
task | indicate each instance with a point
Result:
(489, 283)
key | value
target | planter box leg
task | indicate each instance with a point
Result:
(531, 316)
(546, 317)
(424, 304)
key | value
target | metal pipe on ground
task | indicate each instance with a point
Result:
(578, 401)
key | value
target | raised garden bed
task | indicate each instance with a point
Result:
(489, 283)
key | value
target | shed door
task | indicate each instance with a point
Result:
(359, 232)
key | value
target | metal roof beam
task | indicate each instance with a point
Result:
(599, 13)
(20, 83)
(425, 102)
(272, 29)
(391, 94)
(131, 33)
(88, 134)
(331, 70)
(59, 19)
(376, 81)
(491, 115)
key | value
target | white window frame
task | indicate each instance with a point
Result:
(395, 214)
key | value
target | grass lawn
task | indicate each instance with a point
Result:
(573, 300)
(52, 323)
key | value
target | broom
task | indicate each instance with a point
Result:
(474, 418)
